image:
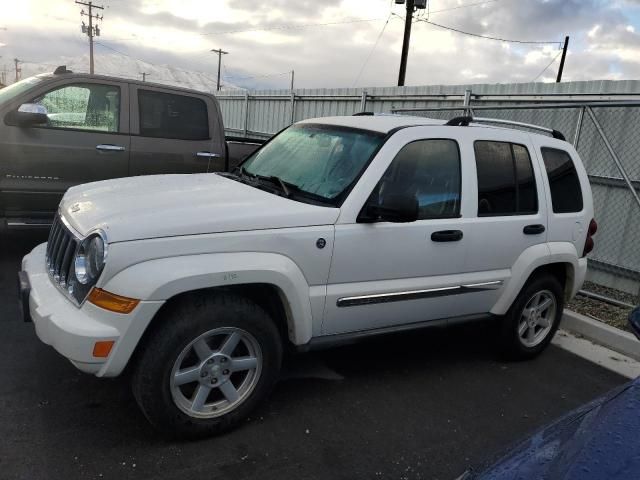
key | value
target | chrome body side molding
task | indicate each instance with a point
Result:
(417, 294)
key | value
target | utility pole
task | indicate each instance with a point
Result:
(405, 43)
(18, 69)
(293, 73)
(220, 52)
(144, 76)
(91, 31)
(564, 55)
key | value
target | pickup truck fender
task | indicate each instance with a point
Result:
(538, 256)
(164, 278)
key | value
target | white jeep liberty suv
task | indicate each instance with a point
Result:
(337, 228)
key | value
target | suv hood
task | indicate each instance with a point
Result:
(172, 205)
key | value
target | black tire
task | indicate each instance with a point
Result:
(181, 323)
(511, 344)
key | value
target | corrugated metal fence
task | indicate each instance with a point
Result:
(602, 119)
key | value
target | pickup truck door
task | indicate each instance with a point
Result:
(390, 274)
(174, 132)
(86, 139)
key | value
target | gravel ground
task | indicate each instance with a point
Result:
(604, 312)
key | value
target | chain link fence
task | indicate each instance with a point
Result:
(605, 135)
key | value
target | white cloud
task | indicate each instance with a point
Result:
(181, 33)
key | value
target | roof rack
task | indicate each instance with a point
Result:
(466, 120)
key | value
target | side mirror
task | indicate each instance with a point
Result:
(28, 115)
(394, 208)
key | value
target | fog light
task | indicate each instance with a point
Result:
(102, 349)
(111, 301)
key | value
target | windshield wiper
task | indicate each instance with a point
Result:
(282, 183)
(286, 187)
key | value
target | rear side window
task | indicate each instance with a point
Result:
(506, 183)
(165, 115)
(566, 194)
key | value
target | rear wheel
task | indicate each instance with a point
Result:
(209, 362)
(533, 319)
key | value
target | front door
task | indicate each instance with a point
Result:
(385, 274)
(85, 139)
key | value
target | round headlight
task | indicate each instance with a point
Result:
(90, 258)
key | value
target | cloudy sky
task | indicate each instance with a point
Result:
(335, 43)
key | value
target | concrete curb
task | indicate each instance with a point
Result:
(602, 334)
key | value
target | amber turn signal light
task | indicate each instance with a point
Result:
(111, 301)
(102, 349)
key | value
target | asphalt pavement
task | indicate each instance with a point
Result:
(424, 405)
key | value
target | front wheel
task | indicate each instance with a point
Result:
(534, 317)
(209, 362)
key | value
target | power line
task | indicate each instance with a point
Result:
(461, 6)
(487, 37)
(545, 68)
(375, 45)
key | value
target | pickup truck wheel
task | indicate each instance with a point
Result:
(207, 366)
(533, 319)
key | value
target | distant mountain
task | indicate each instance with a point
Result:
(120, 66)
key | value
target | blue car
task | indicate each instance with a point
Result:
(598, 441)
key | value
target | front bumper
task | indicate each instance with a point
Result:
(73, 331)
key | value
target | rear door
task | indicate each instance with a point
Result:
(511, 214)
(174, 132)
(85, 139)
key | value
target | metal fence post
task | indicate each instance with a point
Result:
(363, 101)
(616, 160)
(467, 102)
(246, 114)
(576, 137)
(293, 108)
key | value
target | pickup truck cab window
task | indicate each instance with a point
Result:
(88, 106)
(165, 115)
(322, 160)
(428, 170)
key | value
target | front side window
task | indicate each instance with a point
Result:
(166, 115)
(86, 106)
(566, 194)
(428, 170)
(506, 183)
(321, 160)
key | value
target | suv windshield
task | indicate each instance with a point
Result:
(320, 160)
(15, 89)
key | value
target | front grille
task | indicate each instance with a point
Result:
(61, 250)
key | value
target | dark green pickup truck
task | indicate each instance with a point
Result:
(62, 129)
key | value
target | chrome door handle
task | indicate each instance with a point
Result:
(109, 148)
(207, 155)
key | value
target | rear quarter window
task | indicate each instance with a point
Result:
(166, 115)
(566, 193)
